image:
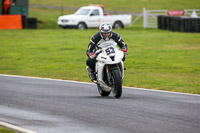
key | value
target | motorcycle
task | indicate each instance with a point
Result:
(109, 69)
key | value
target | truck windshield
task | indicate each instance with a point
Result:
(82, 12)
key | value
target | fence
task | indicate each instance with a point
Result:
(150, 16)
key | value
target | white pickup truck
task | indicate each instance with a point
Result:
(91, 17)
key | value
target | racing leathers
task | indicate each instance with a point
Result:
(97, 39)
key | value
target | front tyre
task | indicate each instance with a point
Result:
(117, 83)
(102, 92)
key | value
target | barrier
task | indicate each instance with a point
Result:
(32, 23)
(150, 16)
(180, 24)
(10, 22)
(17, 22)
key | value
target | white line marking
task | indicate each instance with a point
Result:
(134, 88)
(15, 128)
(144, 89)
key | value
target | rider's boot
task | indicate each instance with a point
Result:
(91, 73)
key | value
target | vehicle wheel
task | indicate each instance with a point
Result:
(102, 92)
(118, 25)
(117, 84)
(82, 26)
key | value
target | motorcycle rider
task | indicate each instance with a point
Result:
(105, 34)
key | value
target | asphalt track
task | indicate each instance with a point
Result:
(49, 106)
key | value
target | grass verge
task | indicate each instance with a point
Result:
(157, 59)
(4, 130)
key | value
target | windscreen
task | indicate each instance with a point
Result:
(108, 44)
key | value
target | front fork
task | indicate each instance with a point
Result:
(109, 76)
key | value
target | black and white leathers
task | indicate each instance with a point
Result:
(98, 39)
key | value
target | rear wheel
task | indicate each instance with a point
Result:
(102, 92)
(118, 25)
(117, 84)
(82, 26)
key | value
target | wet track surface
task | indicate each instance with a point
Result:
(49, 106)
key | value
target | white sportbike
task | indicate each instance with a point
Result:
(109, 69)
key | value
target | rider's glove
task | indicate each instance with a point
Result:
(124, 50)
(92, 55)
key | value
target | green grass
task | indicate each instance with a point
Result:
(125, 5)
(157, 59)
(4, 130)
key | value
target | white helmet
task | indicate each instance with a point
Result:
(105, 28)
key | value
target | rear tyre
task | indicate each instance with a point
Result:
(118, 25)
(82, 26)
(102, 92)
(117, 84)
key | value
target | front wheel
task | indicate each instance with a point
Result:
(117, 84)
(102, 92)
